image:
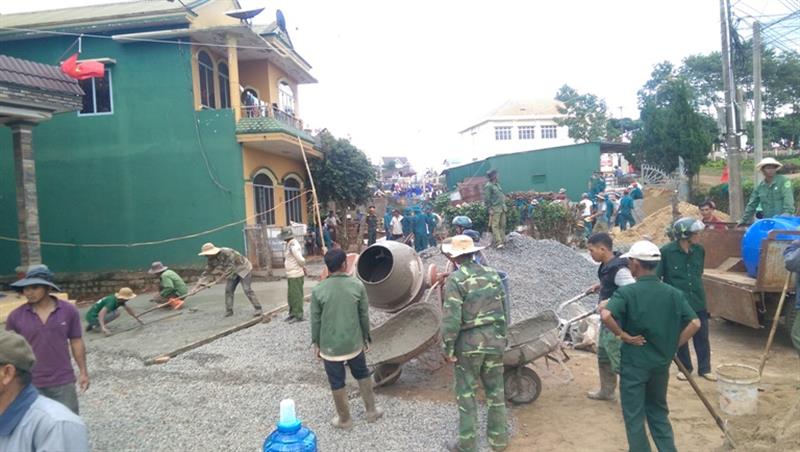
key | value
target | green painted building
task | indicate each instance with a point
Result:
(543, 170)
(161, 149)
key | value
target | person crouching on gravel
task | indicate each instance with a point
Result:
(613, 273)
(340, 335)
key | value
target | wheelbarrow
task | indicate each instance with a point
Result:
(528, 341)
(404, 336)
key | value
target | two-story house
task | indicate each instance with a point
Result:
(515, 126)
(193, 135)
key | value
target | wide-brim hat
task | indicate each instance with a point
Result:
(157, 267)
(460, 245)
(209, 249)
(286, 234)
(125, 294)
(769, 161)
(37, 275)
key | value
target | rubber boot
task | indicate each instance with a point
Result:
(365, 387)
(342, 419)
(608, 383)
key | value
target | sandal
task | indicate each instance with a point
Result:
(709, 376)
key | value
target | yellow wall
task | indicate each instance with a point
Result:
(212, 14)
(264, 77)
(279, 167)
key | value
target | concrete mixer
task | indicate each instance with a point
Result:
(393, 275)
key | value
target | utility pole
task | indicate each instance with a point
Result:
(758, 139)
(734, 166)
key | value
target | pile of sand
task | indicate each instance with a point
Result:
(655, 225)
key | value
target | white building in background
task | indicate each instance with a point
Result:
(516, 126)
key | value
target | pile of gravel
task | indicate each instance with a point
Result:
(226, 395)
(542, 274)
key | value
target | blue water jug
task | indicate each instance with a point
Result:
(291, 435)
(751, 242)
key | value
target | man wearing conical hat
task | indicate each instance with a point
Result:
(227, 263)
(105, 310)
(774, 194)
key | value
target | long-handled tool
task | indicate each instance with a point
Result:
(777, 316)
(144, 324)
(177, 302)
(720, 422)
(572, 300)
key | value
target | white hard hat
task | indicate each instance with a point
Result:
(644, 251)
(769, 161)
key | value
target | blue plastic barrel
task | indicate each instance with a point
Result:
(507, 298)
(291, 438)
(751, 242)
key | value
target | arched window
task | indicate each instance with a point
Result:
(251, 103)
(285, 97)
(224, 86)
(206, 68)
(294, 203)
(265, 199)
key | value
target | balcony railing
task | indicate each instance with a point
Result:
(266, 111)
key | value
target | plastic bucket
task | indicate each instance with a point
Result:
(738, 389)
(507, 296)
(751, 242)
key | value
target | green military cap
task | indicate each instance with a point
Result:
(14, 350)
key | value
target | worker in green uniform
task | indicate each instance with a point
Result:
(625, 214)
(681, 267)
(474, 338)
(657, 319)
(406, 222)
(372, 226)
(774, 194)
(433, 222)
(495, 201)
(104, 310)
(171, 285)
(419, 223)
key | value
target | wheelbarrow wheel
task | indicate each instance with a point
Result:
(386, 374)
(521, 385)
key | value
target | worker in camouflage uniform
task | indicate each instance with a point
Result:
(774, 194)
(227, 263)
(474, 338)
(495, 201)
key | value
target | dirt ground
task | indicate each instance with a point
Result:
(562, 418)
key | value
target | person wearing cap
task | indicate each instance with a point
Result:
(30, 422)
(53, 328)
(340, 336)
(625, 213)
(171, 285)
(495, 201)
(295, 265)
(656, 318)
(682, 262)
(474, 338)
(774, 194)
(227, 263)
(612, 274)
(711, 221)
(105, 310)
(396, 226)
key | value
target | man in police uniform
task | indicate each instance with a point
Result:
(657, 319)
(613, 273)
(495, 201)
(774, 194)
(474, 338)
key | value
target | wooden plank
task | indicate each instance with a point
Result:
(721, 245)
(771, 269)
(736, 278)
(166, 356)
(732, 302)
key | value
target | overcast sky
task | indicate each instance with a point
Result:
(402, 78)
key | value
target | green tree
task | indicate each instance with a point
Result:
(344, 175)
(586, 114)
(617, 127)
(671, 125)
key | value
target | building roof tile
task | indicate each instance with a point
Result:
(16, 71)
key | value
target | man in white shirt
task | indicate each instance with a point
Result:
(295, 266)
(396, 225)
(586, 214)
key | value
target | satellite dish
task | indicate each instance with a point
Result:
(244, 14)
(280, 20)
